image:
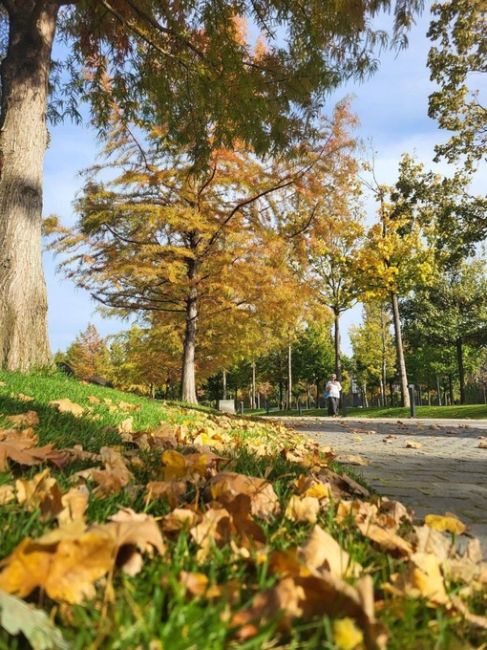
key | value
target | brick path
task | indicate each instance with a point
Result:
(447, 474)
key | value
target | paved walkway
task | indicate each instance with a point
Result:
(447, 473)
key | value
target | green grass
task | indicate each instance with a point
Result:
(152, 610)
(466, 411)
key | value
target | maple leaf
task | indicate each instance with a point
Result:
(27, 419)
(423, 578)
(322, 552)
(302, 509)
(170, 490)
(42, 492)
(264, 502)
(65, 405)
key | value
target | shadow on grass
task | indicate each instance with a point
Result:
(63, 429)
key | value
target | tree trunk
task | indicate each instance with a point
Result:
(188, 384)
(461, 370)
(23, 139)
(364, 393)
(450, 388)
(253, 392)
(401, 365)
(290, 377)
(438, 390)
(224, 383)
(337, 341)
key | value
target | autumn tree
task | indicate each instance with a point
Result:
(157, 61)
(164, 238)
(456, 61)
(88, 356)
(395, 257)
(373, 347)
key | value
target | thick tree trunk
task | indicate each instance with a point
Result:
(337, 341)
(450, 389)
(401, 365)
(188, 383)
(461, 370)
(23, 139)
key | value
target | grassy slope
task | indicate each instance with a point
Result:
(152, 609)
(467, 411)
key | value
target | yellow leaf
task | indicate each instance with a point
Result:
(447, 523)
(346, 634)
(302, 509)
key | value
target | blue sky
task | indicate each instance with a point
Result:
(391, 106)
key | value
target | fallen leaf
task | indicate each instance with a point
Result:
(447, 523)
(126, 426)
(17, 617)
(346, 634)
(41, 492)
(227, 485)
(93, 400)
(385, 538)
(74, 504)
(23, 398)
(65, 405)
(302, 509)
(422, 578)
(196, 584)
(28, 419)
(412, 444)
(214, 528)
(322, 552)
(7, 494)
(172, 491)
(351, 459)
(179, 519)
(473, 619)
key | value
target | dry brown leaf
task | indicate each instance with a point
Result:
(127, 407)
(423, 578)
(309, 596)
(432, 541)
(172, 491)
(23, 398)
(179, 519)
(28, 419)
(7, 494)
(41, 492)
(387, 539)
(302, 509)
(227, 485)
(352, 459)
(116, 474)
(93, 400)
(65, 568)
(133, 531)
(126, 426)
(483, 443)
(195, 584)
(65, 405)
(189, 466)
(322, 552)
(74, 504)
(214, 528)
(21, 450)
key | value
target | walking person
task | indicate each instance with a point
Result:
(333, 389)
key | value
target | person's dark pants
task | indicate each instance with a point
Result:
(333, 405)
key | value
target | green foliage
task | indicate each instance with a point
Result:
(457, 60)
(198, 70)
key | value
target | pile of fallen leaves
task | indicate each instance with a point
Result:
(185, 473)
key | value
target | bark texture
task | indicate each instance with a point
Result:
(401, 364)
(188, 383)
(461, 369)
(23, 139)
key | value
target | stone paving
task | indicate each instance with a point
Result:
(448, 473)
